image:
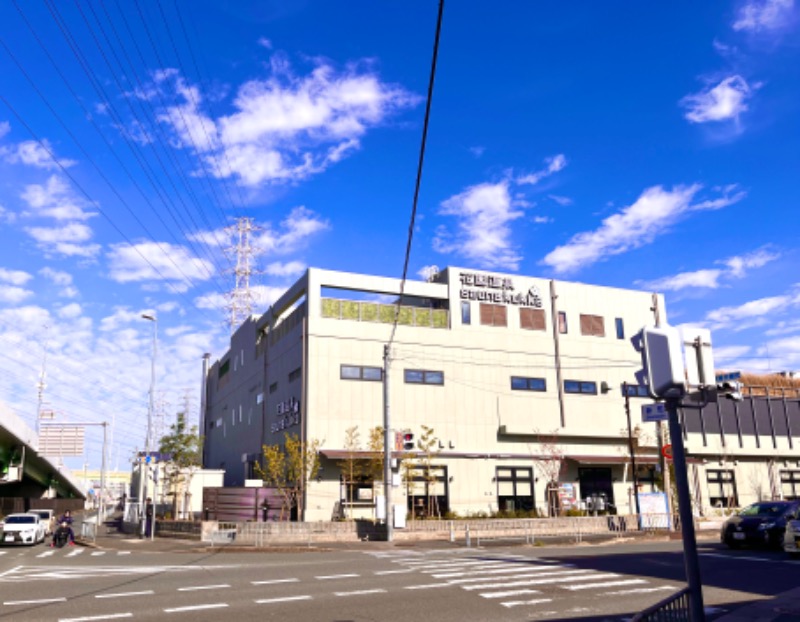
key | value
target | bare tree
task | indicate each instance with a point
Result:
(429, 450)
(351, 466)
(549, 456)
(374, 470)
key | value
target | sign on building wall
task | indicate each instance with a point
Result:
(287, 415)
(497, 289)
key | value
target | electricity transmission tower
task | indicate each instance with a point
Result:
(241, 299)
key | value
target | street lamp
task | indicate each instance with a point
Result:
(150, 409)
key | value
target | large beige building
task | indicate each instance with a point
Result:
(517, 380)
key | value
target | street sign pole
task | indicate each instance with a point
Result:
(633, 454)
(691, 561)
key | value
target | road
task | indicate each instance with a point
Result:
(377, 583)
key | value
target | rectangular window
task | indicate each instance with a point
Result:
(224, 368)
(790, 485)
(562, 322)
(493, 315)
(420, 376)
(273, 387)
(593, 325)
(580, 387)
(519, 383)
(532, 319)
(359, 372)
(295, 374)
(620, 326)
(466, 312)
(722, 488)
(635, 390)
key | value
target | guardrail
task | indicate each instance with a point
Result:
(676, 608)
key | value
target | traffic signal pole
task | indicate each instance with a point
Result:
(387, 446)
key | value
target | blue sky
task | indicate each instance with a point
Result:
(632, 145)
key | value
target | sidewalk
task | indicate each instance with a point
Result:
(781, 608)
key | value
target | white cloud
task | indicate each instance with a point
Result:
(553, 164)
(5, 128)
(70, 311)
(562, 201)
(36, 154)
(724, 101)
(483, 235)
(65, 240)
(11, 294)
(56, 276)
(54, 199)
(735, 267)
(724, 354)
(164, 262)
(541, 220)
(636, 225)
(754, 312)
(761, 15)
(288, 269)
(293, 233)
(265, 43)
(477, 151)
(426, 272)
(785, 327)
(14, 277)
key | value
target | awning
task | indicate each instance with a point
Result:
(583, 459)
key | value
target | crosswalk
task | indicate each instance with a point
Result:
(517, 581)
(71, 552)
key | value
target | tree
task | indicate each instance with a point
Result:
(351, 465)
(289, 467)
(550, 462)
(374, 469)
(428, 445)
(185, 446)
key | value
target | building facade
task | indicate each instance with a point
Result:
(511, 386)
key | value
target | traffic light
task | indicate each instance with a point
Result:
(408, 441)
(663, 361)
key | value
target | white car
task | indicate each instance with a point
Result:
(22, 529)
(791, 537)
(47, 518)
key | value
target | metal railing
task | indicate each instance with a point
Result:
(676, 608)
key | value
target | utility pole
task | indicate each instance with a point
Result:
(663, 463)
(241, 300)
(387, 446)
(149, 438)
(632, 452)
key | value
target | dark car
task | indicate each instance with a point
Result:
(762, 523)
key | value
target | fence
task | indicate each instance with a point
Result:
(676, 608)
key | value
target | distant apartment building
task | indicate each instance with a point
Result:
(518, 381)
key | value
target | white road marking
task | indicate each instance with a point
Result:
(642, 590)
(74, 553)
(325, 577)
(360, 592)
(285, 599)
(743, 559)
(122, 594)
(21, 573)
(403, 571)
(591, 586)
(196, 607)
(526, 575)
(3, 553)
(45, 554)
(272, 581)
(98, 553)
(109, 616)
(123, 552)
(40, 601)
(11, 571)
(503, 570)
(485, 586)
(536, 601)
(194, 588)
(509, 593)
(426, 586)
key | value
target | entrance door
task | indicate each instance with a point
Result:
(514, 489)
(596, 481)
(427, 491)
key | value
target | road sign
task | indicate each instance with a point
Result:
(730, 376)
(654, 412)
(666, 451)
(61, 440)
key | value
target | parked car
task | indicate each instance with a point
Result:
(22, 529)
(47, 518)
(763, 523)
(791, 539)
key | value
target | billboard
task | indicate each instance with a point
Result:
(62, 441)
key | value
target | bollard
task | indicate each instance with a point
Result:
(468, 541)
(452, 532)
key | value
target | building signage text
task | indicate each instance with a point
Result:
(498, 289)
(288, 413)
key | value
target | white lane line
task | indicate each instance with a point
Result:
(503, 570)
(485, 586)
(12, 571)
(527, 575)
(45, 554)
(509, 593)
(196, 607)
(3, 553)
(285, 599)
(122, 594)
(426, 586)
(195, 588)
(643, 590)
(535, 601)
(486, 566)
(591, 586)
(360, 592)
(325, 577)
(40, 601)
(108, 616)
(274, 581)
(98, 553)
(123, 552)
(743, 559)
(74, 553)
(404, 571)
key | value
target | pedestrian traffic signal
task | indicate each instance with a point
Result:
(408, 441)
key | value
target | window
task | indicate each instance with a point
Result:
(635, 390)
(562, 322)
(620, 326)
(493, 315)
(224, 368)
(295, 374)
(419, 376)
(273, 387)
(722, 488)
(593, 325)
(514, 488)
(466, 312)
(790, 485)
(359, 372)
(528, 384)
(532, 319)
(580, 386)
